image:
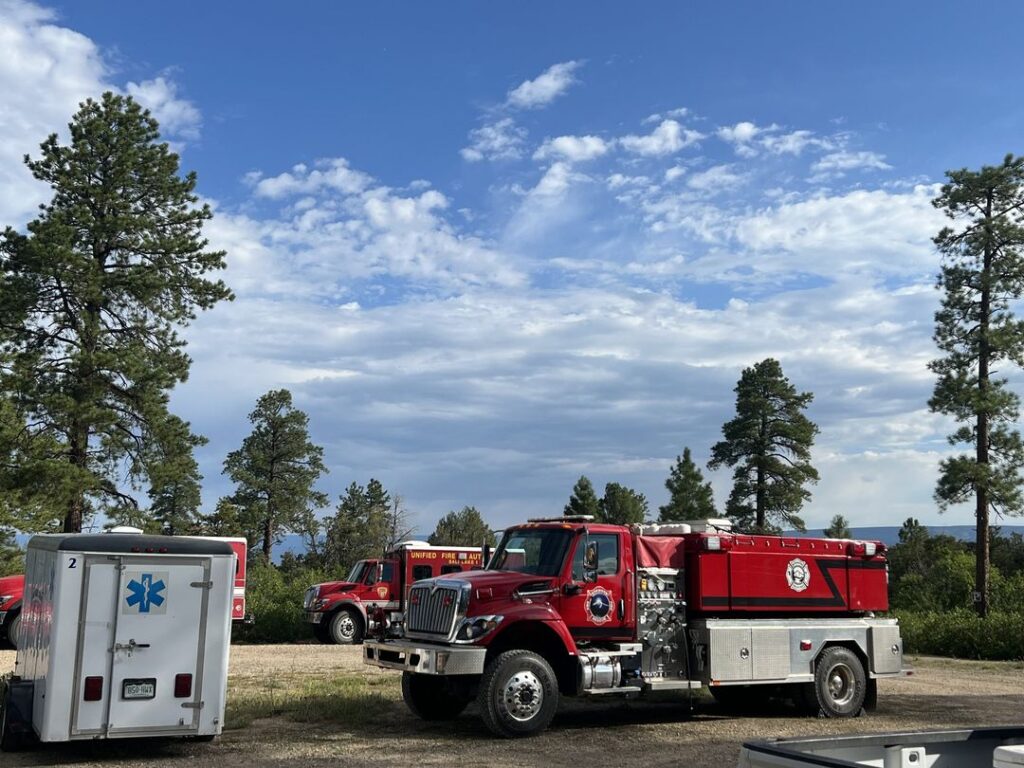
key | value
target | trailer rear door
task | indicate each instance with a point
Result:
(151, 613)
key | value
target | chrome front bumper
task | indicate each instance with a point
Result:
(424, 658)
(314, 617)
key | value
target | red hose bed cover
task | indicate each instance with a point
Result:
(661, 551)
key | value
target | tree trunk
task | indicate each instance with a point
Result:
(78, 455)
(760, 513)
(268, 539)
(981, 492)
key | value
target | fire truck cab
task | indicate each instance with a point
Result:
(570, 607)
(340, 611)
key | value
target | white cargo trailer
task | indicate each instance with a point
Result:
(123, 635)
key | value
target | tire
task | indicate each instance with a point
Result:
(9, 740)
(13, 630)
(432, 698)
(346, 627)
(518, 694)
(840, 683)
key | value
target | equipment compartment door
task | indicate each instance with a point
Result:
(161, 625)
(95, 636)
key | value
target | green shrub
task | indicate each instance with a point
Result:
(274, 598)
(962, 634)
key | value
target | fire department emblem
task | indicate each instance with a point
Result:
(598, 605)
(798, 575)
(382, 592)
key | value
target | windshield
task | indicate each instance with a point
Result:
(357, 572)
(539, 551)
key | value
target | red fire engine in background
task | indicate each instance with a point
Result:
(570, 607)
(340, 611)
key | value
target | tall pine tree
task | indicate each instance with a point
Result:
(91, 301)
(769, 443)
(622, 506)
(690, 498)
(275, 470)
(583, 500)
(465, 528)
(982, 275)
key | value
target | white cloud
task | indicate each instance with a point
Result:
(668, 138)
(794, 143)
(619, 180)
(178, 118)
(334, 174)
(837, 163)
(572, 148)
(742, 136)
(657, 117)
(674, 172)
(500, 140)
(718, 178)
(545, 88)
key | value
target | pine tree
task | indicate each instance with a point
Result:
(982, 275)
(839, 528)
(583, 500)
(465, 528)
(690, 498)
(622, 506)
(275, 470)
(367, 523)
(91, 300)
(769, 442)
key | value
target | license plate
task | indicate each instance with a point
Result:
(139, 689)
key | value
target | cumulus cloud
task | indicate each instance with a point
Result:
(500, 140)
(794, 143)
(668, 138)
(742, 136)
(545, 88)
(718, 178)
(178, 117)
(572, 148)
(335, 174)
(837, 163)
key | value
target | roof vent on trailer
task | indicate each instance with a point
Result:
(124, 529)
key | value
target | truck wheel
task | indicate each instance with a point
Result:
(430, 697)
(346, 627)
(13, 630)
(840, 683)
(518, 694)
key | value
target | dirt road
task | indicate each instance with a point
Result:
(941, 694)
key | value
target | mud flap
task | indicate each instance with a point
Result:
(16, 714)
(871, 696)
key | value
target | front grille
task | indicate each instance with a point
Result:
(432, 609)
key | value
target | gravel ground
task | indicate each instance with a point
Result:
(941, 694)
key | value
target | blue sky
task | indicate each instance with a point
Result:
(493, 248)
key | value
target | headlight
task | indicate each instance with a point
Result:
(4, 599)
(473, 628)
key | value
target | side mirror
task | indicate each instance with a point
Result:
(590, 560)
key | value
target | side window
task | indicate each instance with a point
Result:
(450, 569)
(607, 551)
(388, 572)
(421, 572)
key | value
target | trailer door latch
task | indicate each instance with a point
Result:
(193, 705)
(202, 584)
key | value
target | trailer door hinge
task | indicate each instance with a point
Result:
(202, 584)
(192, 705)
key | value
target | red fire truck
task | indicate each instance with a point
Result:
(594, 609)
(340, 610)
(11, 589)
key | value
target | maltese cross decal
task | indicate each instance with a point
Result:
(146, 593)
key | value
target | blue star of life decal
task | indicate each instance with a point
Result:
(145, 592)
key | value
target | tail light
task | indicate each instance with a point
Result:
(863, 549)
(93, 688)
(182, 686)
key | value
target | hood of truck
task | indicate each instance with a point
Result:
(329, 588)
(12, 586)
(499, 586)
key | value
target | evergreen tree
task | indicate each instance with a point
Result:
(583, 500)
(982, 275)
(91, 300)
(622, 506)
(839, 528)
(12, 557)
(367, 523)
(465, 528)
(175, 481)
(769, 443)
(690, 498)
(275, 470)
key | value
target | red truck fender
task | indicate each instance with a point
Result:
(538, 628)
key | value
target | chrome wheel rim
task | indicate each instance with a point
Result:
(523, 696)
(841, 684)
(346, 627)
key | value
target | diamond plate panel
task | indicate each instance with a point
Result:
(770, 653)
(730, 653)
